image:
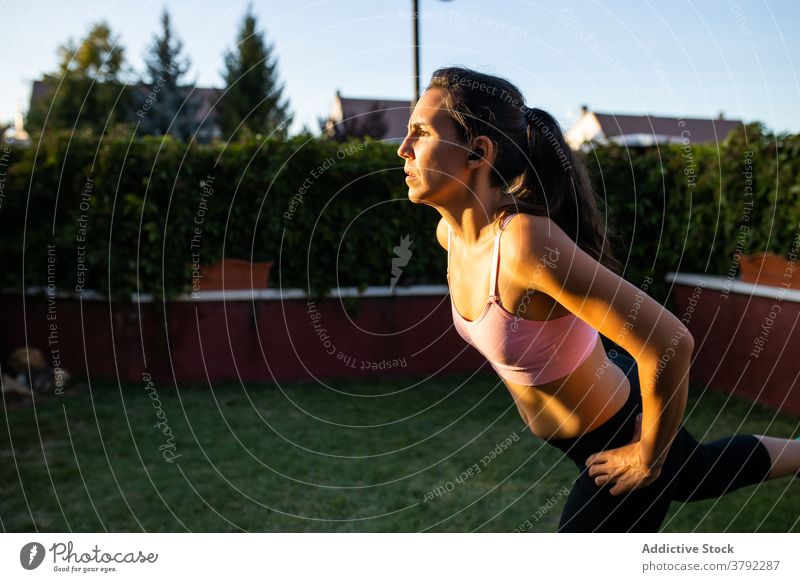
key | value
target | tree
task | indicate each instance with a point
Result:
(87, 90)
(252, 99)
(166, 108)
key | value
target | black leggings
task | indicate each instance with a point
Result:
(691, 471)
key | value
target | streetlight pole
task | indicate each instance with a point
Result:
(415, 10)
(415, 14)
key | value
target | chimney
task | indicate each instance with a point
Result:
(584, 109)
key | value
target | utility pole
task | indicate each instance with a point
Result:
(415, 9)
(415, 14)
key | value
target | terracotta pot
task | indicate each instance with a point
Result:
(239, 274)
(768, 269)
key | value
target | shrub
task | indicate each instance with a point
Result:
(330, 214)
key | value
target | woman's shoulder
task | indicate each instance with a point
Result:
(525, 253)
(523, 231)
(532, 242)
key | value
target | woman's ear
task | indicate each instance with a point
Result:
(482, 151)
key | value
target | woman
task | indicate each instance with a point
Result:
(492, 166)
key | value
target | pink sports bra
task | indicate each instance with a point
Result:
(522, 350)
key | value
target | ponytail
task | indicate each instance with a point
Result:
(556, 183)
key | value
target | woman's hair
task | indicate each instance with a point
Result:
(533, 162)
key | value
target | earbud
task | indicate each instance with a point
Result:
(475, 154)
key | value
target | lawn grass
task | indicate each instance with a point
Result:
(353, 456)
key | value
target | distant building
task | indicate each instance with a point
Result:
(17, 134)
(202, 100)
(202, 103)
(645, 130)
(382, 119)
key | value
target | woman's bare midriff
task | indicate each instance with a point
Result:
(576, 404)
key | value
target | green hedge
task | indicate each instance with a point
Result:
(347, 215)
(328, 214)
(694, 208)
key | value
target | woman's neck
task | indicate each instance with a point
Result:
(472, 222)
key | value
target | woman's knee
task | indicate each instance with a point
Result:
(713, 469)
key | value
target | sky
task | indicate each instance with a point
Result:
(678, 58)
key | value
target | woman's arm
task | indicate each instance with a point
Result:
(550, 262)
(664, 393)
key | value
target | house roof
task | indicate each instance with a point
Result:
(394, 112)
(696, 130)
(203, 97)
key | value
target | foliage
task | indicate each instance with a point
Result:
(88, 89)
(98, 57)
(686, 207)
(252, 103)
(169, 112)
(330, 214)
(313, 206)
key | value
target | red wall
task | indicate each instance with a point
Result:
(272, 340)
(252, 340)
(725, 326)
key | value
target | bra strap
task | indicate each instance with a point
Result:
(449, 231)
(496, 257)
(495, 266)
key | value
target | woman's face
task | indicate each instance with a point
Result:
(435, 161)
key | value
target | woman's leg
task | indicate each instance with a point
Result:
(784, 456)
(590, 508)
(713, 469)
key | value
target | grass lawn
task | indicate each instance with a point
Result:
(355, 456)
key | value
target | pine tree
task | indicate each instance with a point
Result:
(170, 108)
(252, 101)
(87, 90)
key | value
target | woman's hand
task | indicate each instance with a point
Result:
(623, 466)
